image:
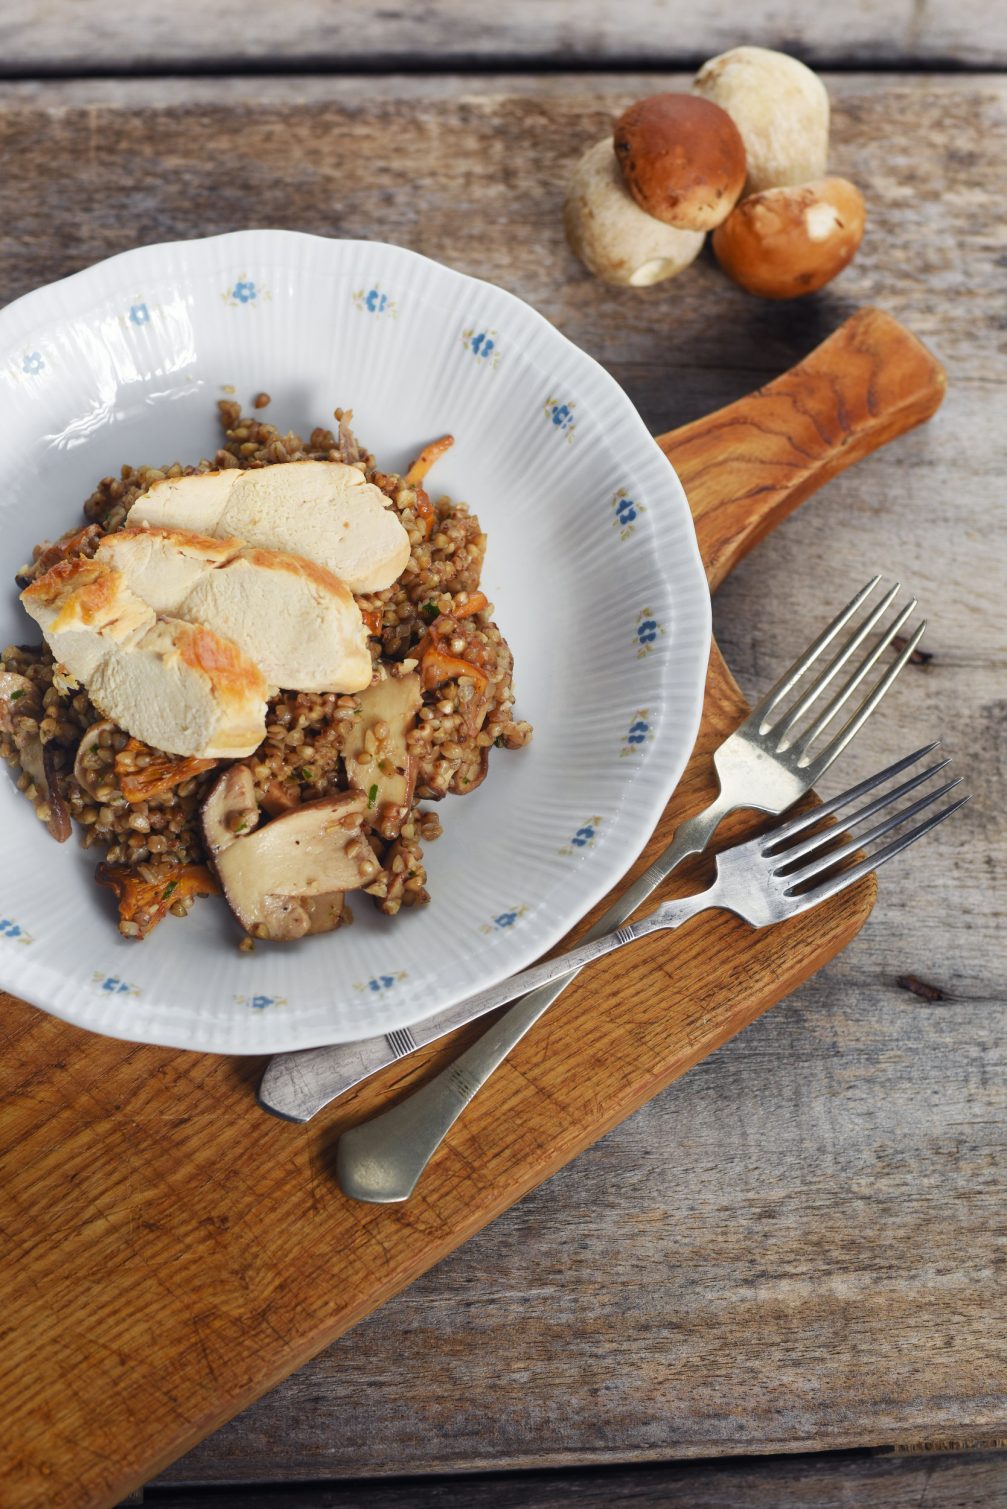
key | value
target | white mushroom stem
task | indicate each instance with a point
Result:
(614, 238)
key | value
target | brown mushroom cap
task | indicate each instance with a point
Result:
(786, 242)
(682, 158)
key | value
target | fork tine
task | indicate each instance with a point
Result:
(797, 851)
(790, 678)
(820, 763)
(794, 715)
(776, 836)
(829, 857)
(870, 660)
(875, 861)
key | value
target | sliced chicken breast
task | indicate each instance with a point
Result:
(323, 510)
(85, 611)
(163, 565)
(296, 620)
(186, 690)
(175, 685)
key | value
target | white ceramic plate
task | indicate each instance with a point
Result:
(592, 565)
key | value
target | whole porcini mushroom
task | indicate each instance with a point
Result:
(614, 238)
(779, 106)
(786, 242)
(682, 159)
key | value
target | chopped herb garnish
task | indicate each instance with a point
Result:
(240, 827)
(172, 886)
(372, 795)
(15, 695)
(430, 611)
(306, 773)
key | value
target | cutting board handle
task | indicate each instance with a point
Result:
(747, 466)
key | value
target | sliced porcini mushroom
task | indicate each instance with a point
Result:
(18, 696)
(58, 822)
(20, 709)
(682, 159)
(458, 789)
(376, 753)
(277, 879)
(787, 242)
(91, 739)
(230, 810)
(780, 108)
(614, 238)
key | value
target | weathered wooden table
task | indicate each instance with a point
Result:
(800, 1247)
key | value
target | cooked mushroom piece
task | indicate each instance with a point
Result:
(91, 739)
(20, 709)
(58, 823)
(276, 880)
(18, 695)
(378, 761)
(230, 810)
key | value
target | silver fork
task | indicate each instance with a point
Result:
(783, 872)
(766, 764)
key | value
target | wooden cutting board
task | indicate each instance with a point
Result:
(169, 1252)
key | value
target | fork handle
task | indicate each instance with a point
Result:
(747, 466)
(297, 1085)
(380, 1161)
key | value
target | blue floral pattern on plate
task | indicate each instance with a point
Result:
(625, 512)
(113, 986)
(14, 932)
(584, 838)
(504, 920)
(561, 415)
(246, 293)
(260, 1002)
(32, 363)
(139, 313)
(638, 733)
(374, 300)
(378, 984)
(648, 631)
(484, 345)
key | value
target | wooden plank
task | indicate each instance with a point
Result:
(853, 1139)
(61, 36)
(956, 1481)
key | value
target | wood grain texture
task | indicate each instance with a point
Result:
(766, 454)
(116, 37)
(976, 1481)
(618, 1036)
(802, 1242)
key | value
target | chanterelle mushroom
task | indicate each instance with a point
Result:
(284, 880)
